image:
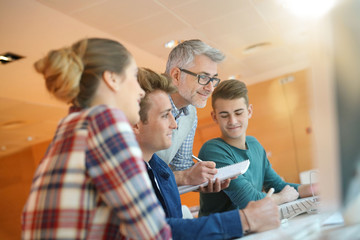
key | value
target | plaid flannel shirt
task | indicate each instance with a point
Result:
(183, 158)
(92, 183)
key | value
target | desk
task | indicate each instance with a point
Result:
(309, 226)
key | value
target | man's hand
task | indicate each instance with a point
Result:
(260, 216)
(287, 194)
(199, 173)
(216, 186)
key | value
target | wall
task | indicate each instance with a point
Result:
(281, 122)
(16, 173)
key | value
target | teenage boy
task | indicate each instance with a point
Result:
(232, 111)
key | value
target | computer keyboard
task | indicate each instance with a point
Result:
(297, 207)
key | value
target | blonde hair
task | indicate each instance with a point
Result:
(150, 81)
(72, 74)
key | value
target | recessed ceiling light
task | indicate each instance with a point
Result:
(235, 77)
(9, 57)
(308, 8)
(172, 43)
(256, 47)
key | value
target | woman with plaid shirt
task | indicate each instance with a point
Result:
(92, 183)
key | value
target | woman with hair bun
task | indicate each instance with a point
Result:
(92, 182)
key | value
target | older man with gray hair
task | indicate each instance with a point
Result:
(192, 66)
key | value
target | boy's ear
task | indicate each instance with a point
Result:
(213, 116)
(175, 74)
(250, 110)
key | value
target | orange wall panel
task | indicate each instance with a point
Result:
(190, 199)
(16, 174)
(15, 179)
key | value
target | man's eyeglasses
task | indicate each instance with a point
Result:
(202, 78)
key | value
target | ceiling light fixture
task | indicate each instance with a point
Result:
(9, 57)
(308, 8)
(256, 47)
(235, 77)
(172, 43)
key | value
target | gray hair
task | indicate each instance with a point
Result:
(183, 54)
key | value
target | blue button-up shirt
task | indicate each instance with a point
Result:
(226, 225)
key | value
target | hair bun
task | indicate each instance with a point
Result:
(62, 70)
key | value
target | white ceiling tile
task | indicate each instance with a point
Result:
(202, 11)
(157, 43)
(271, 10)
(228, 43)
(297, 40)
(257, 34)
(269, 59)
(238, 69)
(70, 6)
(114, 14)
(232, 23)
(171, 4)
(284, 25)
(151, 28)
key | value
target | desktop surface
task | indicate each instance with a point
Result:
(323, 226)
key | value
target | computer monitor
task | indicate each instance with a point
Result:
(336, 103)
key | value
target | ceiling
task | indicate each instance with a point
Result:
(28, 114)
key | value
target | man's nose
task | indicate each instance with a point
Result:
(210, 86)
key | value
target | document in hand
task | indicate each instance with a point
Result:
(223, 173)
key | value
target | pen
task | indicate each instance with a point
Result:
(270, 192)
(196, 158)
